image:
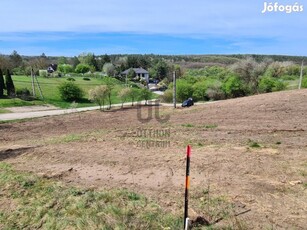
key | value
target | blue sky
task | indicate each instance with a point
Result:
(71, 27)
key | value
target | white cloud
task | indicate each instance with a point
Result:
(236, 20)
(170, 17)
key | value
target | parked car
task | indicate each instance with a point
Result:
(188, 103)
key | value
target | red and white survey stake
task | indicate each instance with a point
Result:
(187, 187)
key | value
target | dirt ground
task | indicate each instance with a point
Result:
(249, 152)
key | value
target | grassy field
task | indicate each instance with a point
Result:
(51, 94)
(31, 202)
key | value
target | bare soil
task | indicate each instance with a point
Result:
(251, 151)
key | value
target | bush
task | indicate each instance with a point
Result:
(86, 79)
(215, 93)
(167, 96)
(123, 94)
(23, 94)
(99, 95)
(279, 86)
(65, 68)
(266, 84)
(234, 87)
(70, 79)
(184, 90)
(145, 94)
(304, 82)
(69, 91)
(43, 73)
(269, 84)
(199, 91)
(82, 68)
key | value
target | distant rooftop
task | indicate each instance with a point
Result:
(136, 70)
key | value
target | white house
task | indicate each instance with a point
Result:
(140, 73)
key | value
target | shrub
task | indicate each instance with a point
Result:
(2, 84)
(99, 95)
(279, 86)
(214, 91)
(215, 94)
(145, 95)
(124, 94)
(167, 96)
(23, 94)
(69, 91)
(134, 93)
(199, 91)
(43, 73)
(234, 87)
(70, 79)
(269, 84)
(184, 90)
(304, 82)
(65, 68)
(266, 84)
(82, 68)
(10, 88)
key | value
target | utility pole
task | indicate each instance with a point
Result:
(301, 76)
(174, 92)
(32, 81)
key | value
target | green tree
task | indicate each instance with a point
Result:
(266, 84)
(269, 84)
(4, 63)
(234, 87)
(110, 86)
(75, 61)
(10, 88)
(132, 61)
(304, 82)
(131, 74)
(62, 60)
(145, 95)
(2, 85)
(184, 90)
(69, 91)
(199, 91)
(249, 71)
(161, 69)
(134, 94)
(124, 94)
(109, 69)
(65, 68)
(99, 95)
(15, 59)
(88, 59)
(82, 68)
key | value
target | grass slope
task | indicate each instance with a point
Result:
(31, 202)
(51, 94)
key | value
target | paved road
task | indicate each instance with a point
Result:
(34, 114)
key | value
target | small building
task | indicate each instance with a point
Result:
(140, 73)
(52, 68)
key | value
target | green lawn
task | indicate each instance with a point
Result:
(51, 94)
(47, 204)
